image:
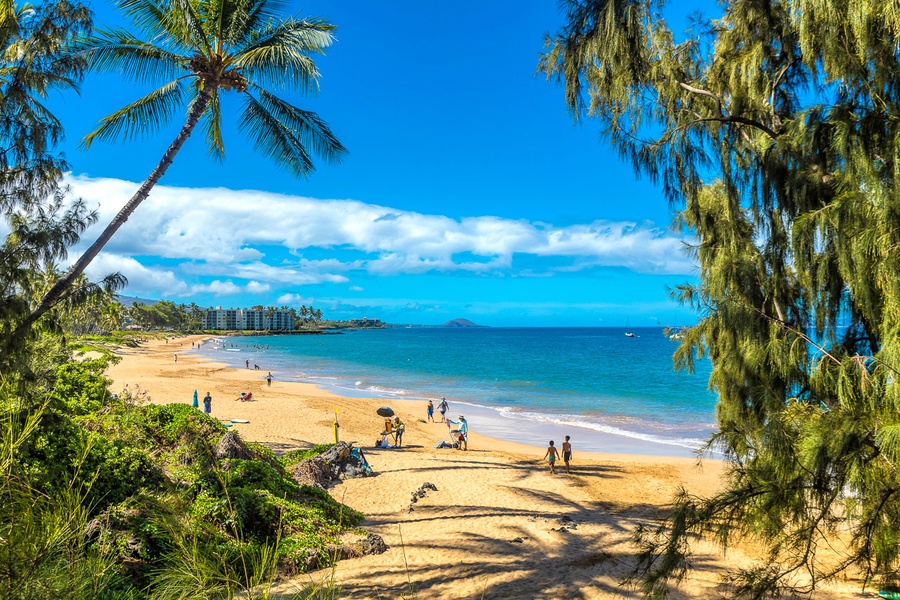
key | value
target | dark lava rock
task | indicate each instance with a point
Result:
(373, 544)
(232, 446)
(328, 468)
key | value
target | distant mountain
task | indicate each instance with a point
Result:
(461, 323)
(127, 301)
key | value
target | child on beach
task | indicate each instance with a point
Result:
(551, 455)
(431, 411)
(567, 452)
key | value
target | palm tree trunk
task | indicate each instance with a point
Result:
(56, 292)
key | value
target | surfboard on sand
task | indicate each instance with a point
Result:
(240, 421)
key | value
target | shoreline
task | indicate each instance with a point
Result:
(528, 426)
(499, 525)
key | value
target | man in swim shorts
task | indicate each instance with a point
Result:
(567, 452)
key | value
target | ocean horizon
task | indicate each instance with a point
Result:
(610, 392)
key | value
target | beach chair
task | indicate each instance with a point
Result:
(454, 437)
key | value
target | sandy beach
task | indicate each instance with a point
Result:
(498, 526)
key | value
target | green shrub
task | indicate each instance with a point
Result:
(80, 386)
(118, 470)
(294, 456)
(258, 475)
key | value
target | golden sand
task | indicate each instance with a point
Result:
(498, 526)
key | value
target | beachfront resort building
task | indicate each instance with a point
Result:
(248, 319)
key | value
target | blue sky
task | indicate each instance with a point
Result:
(468, 191)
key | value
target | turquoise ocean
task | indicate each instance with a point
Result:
(609, 392)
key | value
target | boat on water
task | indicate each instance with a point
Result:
(629, 334)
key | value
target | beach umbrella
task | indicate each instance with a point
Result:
(385, 411)
(194, 402)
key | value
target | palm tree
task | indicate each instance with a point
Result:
(304, 313)
(202, 49)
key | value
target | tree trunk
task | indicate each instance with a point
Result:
(60, 287)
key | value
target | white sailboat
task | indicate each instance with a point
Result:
(628, 332)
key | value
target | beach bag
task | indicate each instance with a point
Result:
(354, 452)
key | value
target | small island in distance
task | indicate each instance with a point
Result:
(462, 323)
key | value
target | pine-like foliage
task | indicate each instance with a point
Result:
(775, 129)
(33, 62)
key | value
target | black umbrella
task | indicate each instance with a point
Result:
(385, 411)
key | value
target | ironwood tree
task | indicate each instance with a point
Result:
(774, 130)
(41, 225)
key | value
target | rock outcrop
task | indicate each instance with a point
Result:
(327, 469)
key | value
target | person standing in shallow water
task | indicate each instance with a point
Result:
(567, 452)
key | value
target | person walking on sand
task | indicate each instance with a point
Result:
(551, 455)
(269, 378)
(207, 403)
(567, 452)
(247, 363)
(443, 407)
(431, 411)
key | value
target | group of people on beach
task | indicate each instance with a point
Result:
(443, 407)
(460, 435)
(553, 452)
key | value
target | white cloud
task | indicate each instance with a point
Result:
(229, 288)
(233, 235)
(141, 279)
(294, 299)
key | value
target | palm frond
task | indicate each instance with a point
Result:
(245, 17)
(273, 138)
(282, 49)
(212, 127)
(149, 16)
(142, 116)
(311, 130)
(118, 50)
(187, 25)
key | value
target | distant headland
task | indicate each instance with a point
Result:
(462, 323)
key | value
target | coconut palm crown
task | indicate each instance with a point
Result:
(200, 49)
